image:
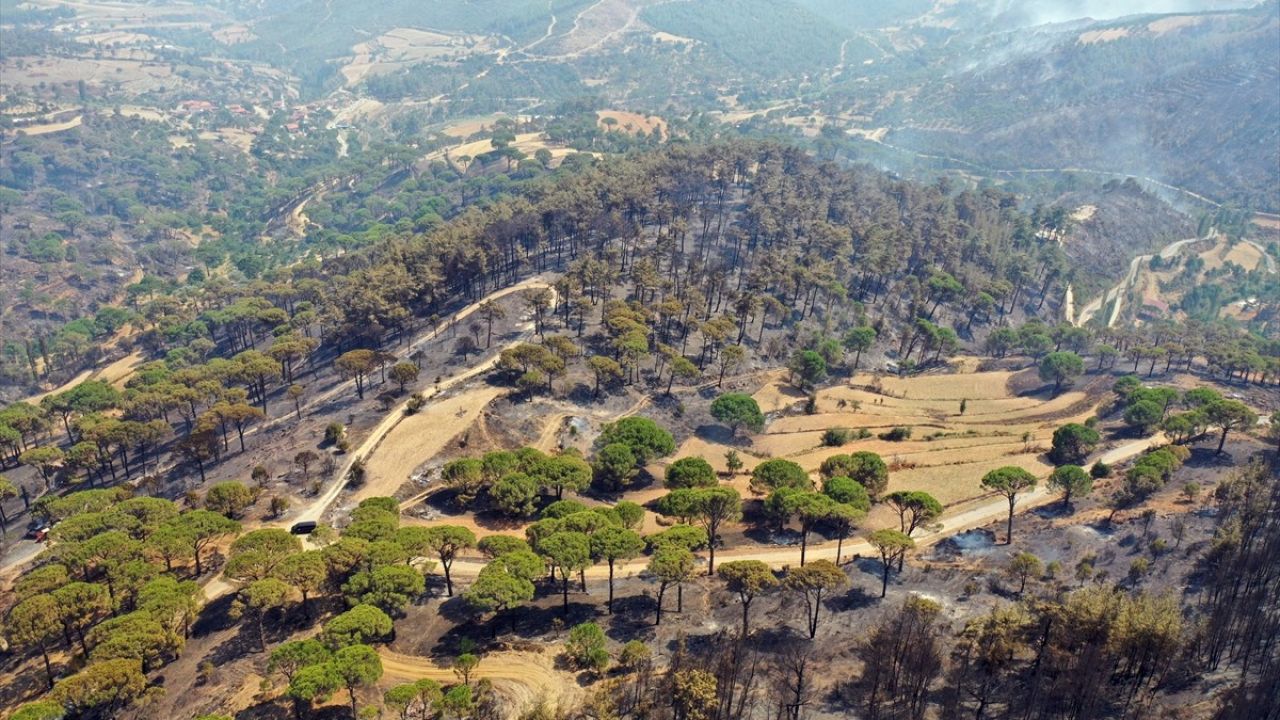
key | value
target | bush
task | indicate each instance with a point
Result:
(897, 434)
(334, 432)
(416, 402)
(585, 647)
(835, 437)
(1100, 470)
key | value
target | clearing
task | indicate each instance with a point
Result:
(47, 128)
(522, 678)
(115, 373)
(403, 47)
(947, 454)
(1101, 36)
(633, 123)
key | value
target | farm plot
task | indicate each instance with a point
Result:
(948, 452)
(946, 455)
(402, 47)
(632, 122)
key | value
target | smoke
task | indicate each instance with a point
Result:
(1025, 13)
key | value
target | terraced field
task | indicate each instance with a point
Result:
(948, 452)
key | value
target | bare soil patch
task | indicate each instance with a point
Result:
(1170, 24)
(419, 437)
(402, 47)
(633, 123)
(1102, 36)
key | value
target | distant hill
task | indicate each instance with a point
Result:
(1190, 100)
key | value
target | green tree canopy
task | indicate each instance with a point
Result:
(749, 579)
(645, 438)
(690, 472)
(864, 467)
(1060, 368)
(1009, 481)
(360, 624)
(811, 583)
(738, 410)
(778, 473)
(848, 491)
(1072, 481)
(496, 589)
(808, 368)
(1072, 444)
(914, 508)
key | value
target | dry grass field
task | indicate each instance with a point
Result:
(48, 128)
(633, 122)
(1101, 36)
(134, 76)
(421, 436)
(947, 455)
(528, 143)
(402, 47)
(997, 428)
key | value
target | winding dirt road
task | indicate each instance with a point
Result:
(1118, 291)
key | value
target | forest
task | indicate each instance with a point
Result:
(682, 266)
(637, 360)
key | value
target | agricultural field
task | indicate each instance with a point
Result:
(1009, 420)
(401, 48)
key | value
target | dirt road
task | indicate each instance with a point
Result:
(1118, 291)
(316, 509)
(23, 551)
(523, 678)
(989, 511)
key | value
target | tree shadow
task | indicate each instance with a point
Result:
(584, 394)
(642, 480)
(239, 644)
(870, 566)
(214, 617)
(277, 710)
(496, 521)
(526, 623)
(632, 618)
(715, 433)
(454, 609)
(857, 598)
(1054, 510)
(774, 636)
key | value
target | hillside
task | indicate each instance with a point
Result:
(639, 359)
(1164, 97)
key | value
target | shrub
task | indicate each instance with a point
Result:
(585, 647)
(416, 402)
(897, 434)
(334, 432)
(835, 437)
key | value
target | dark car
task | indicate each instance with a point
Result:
(306, 527)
